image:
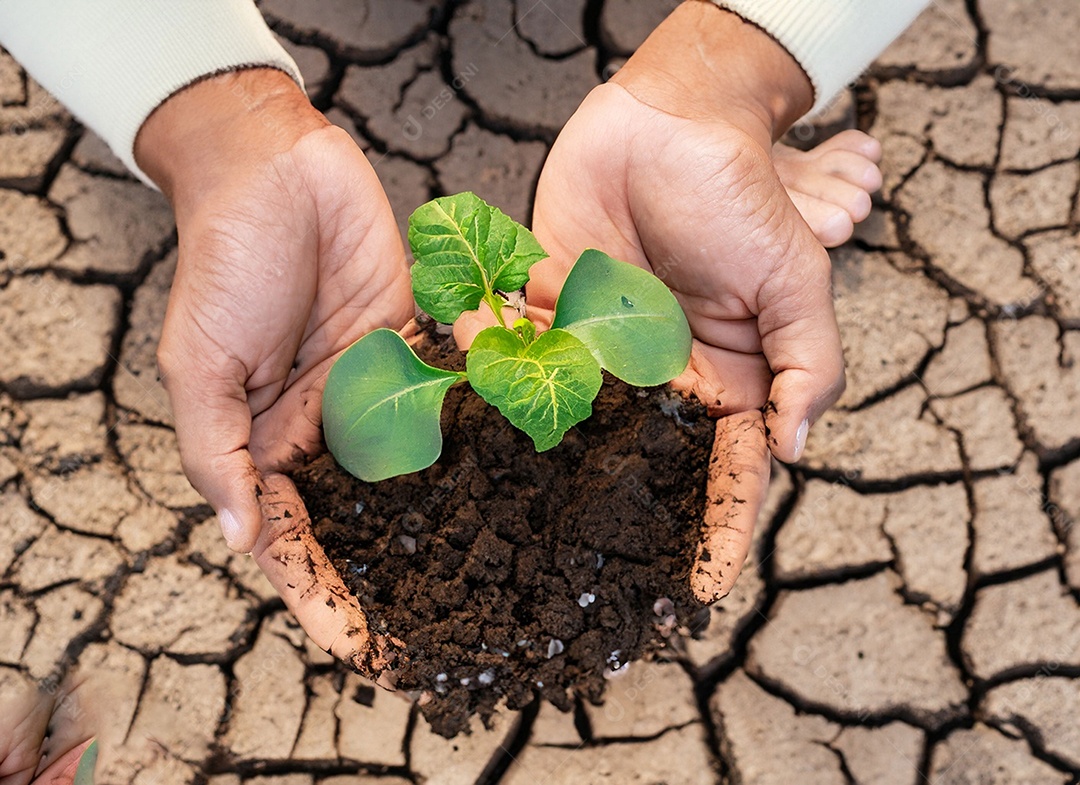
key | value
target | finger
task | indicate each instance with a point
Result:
(737, 334)
(62, 770)
(213, 427)
(858, 170)
(738, 479)
(24, 722)
(852, 199)
(747, 379)
(294, 562)
(830, 223)
(81, 712)
(801, 341)
(852, 141)
(471, 323)
(289, 432)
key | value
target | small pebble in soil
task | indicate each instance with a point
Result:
(586, 599)
(359, 507)
(441, 678)
(555, 646)
(408, 543)
(599, 560)
(487, 677)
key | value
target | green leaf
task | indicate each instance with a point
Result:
(526, 329)
(381, 408)
(544, 388)
(628, 318)
(465, 250)
(84, 772)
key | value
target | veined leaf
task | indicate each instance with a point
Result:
(381, 408)
(628, 318)
(544, 388)
(465, 249)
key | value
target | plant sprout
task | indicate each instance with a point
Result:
(382, 403)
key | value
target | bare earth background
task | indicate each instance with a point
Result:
(909, 612)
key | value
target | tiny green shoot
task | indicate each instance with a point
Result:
(382, 404)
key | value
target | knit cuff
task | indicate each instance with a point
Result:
(833, 40)
(112, 62)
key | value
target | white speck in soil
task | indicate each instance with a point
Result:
(540, 684)
(359, 507)
(663, 607)
(487, 677)
(408, 543)
(356, 569)
(615, 668)
(615, 671)
(586, 599)
(599, 560)
(555, 646)
(441, 678)
(672, 406)
(522, 643)
(466, 681)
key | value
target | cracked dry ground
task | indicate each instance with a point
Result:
(909, 610)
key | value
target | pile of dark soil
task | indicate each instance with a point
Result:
(506, 571)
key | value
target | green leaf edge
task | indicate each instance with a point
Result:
(498, 404)
(684, 347)
(523, 235)
(438, 377)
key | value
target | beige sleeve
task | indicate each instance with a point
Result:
(112, 62)
(833, 40)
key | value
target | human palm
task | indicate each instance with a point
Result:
(279, 271)
(700, 204)
(702, 207)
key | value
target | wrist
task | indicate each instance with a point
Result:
(200, 134)
(706, 63)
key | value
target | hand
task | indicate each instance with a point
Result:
(669, 167)
(43, 733)
(288, 253)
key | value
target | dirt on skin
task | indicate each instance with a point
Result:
(507, 572)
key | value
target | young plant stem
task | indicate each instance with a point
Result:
(496, 303)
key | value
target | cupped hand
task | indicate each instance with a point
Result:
(45, 726)
(669, 167)
(288, 253)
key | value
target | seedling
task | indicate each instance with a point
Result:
(382, 403)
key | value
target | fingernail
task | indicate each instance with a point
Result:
(800, 437)
(84, 774)
(231, 528)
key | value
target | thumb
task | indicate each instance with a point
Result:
(213, 428)
(801, 341)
